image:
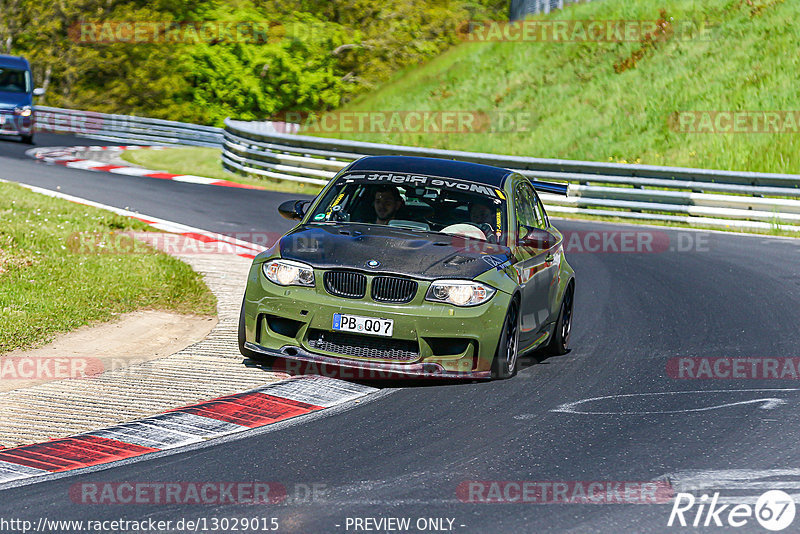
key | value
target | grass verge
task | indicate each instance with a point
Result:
(571, 100)
(201, 161)
(47, 287)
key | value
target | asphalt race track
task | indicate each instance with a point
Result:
(406, 453)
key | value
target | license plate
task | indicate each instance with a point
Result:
(362, 325)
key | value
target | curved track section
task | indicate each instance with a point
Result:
(612, 410)
(220, 211)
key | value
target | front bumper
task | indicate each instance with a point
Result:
(13, 124)
(435, 340)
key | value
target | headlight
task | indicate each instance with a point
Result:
(23, 112)
(459, 292)
(289, 273)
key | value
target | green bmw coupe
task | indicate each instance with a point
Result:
(408, 267)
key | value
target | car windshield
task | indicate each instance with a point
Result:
(425, 203)
(14, 80)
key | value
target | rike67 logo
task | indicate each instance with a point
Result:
(774, 510)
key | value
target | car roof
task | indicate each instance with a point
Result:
(14, 61)
(443, 168)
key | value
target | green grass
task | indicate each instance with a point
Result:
(47, 287)
(581, 109)
(201, 161)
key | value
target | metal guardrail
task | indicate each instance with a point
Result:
(696, 196)
(520, 8)
(126, 128)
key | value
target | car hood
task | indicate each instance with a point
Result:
(12, 100)
(424, 255)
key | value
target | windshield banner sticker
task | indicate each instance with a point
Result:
(417, 180)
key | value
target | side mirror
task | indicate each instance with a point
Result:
(39, 91)
(293, 209)
(536, 238)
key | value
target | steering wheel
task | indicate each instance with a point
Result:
(466, 229)
(487, 229)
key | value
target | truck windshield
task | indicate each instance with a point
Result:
(14, 80)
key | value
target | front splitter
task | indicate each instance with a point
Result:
(297, 360)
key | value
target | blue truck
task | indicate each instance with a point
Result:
(17, 113)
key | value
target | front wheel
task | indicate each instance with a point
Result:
(27, 139)
(504, 364)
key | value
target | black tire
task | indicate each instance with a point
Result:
(506, 359)
(559, 340)
(27, 139)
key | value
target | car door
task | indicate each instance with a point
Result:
(552, 260)
(534, 268)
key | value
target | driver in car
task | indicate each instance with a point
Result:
(482, 212)
(387, 203)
